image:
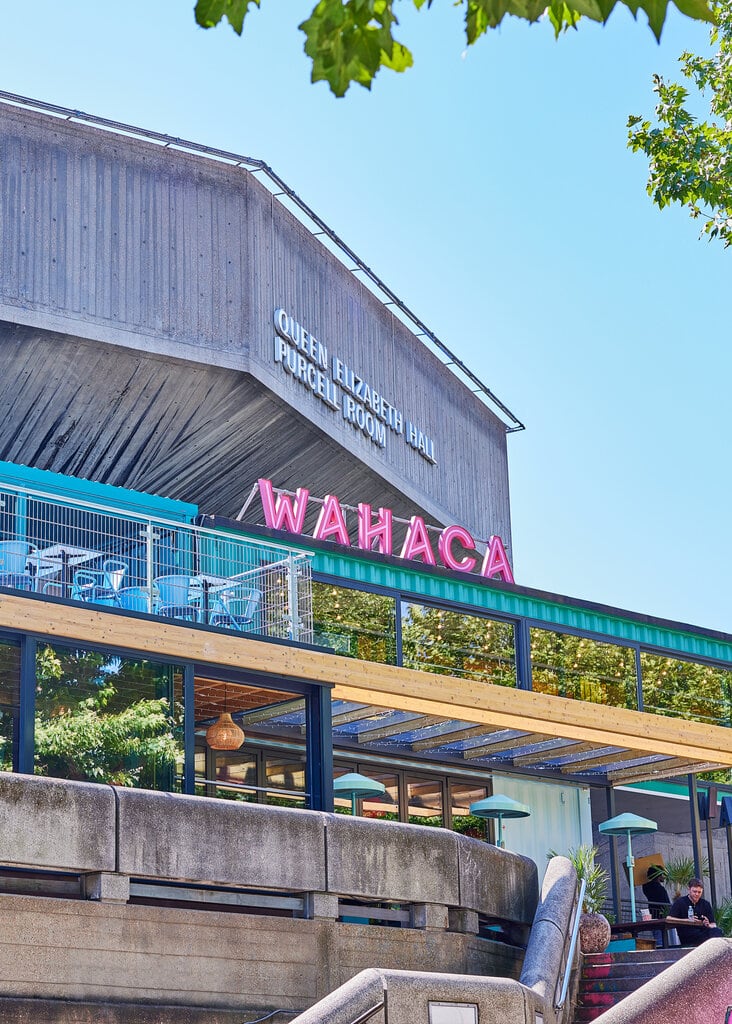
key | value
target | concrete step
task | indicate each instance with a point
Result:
(612, 985)
(636, 956)
(626, 970)
(587, 1013)
(607, 978)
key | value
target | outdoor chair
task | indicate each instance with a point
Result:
(13, 565)
(172, 598)
(235, 607)
(86, 585)
(100, 586)
(134, 599)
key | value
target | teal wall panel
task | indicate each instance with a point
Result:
(120, 498)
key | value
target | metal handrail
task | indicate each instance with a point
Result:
(572, 946)
(368, 1014)
(252, 165)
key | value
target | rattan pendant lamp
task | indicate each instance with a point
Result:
(224, 734)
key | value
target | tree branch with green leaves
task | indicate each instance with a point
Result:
(690, 160)
(351, 40)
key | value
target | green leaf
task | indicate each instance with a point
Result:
(562, 17)
(690, 160)
(210, 12)
(350, 40)
(699, 10)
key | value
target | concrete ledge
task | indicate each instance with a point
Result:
(189, 838)
(495, 882)
(497, 999)
(55, 824)
(385, 860)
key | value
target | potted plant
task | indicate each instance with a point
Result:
(723, 916)
(678, 872)
(594, 927)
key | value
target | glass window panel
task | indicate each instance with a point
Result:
(103, 718)
(260, 712)
(355, 623)
(425, 802)
(462, 795)
(384, 807)
(234, 771)
(9, 702)
(686, 689)
(437, 640)
(285, 772)
(583, 669)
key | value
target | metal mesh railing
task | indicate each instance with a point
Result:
(94, 554)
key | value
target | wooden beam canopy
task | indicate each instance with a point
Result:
(474, 708)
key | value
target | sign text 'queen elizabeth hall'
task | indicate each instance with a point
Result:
(341, 389)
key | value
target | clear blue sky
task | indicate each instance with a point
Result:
(492, 190)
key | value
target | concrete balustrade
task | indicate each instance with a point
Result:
(57, 825)
(495, 884)
(697, 990)
(384, 860)
(98, 830)
(545, 953)
(530, 1000)
(221, 842)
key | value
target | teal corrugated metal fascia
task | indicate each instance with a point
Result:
(58, 485)
(481, 595)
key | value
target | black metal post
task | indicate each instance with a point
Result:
(695, 827)
(711, 818)
(27, 716)
(614, 858)
(320, 749)
(710, 857)
(523, 655)
(189, 730)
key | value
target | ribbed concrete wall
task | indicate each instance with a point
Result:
(117, 240)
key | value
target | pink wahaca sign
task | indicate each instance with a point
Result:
(455, 546)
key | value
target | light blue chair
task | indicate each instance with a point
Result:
(172, 597)
(134, 599)
(14, 556)
(235, 607)
(100, 586)
(87, 585)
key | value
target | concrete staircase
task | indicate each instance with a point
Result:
(607, 978)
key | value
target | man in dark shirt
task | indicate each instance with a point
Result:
(702, 915)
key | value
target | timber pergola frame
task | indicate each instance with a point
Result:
(594, 742)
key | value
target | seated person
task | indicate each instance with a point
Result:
(693, 908)
(658, 899)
